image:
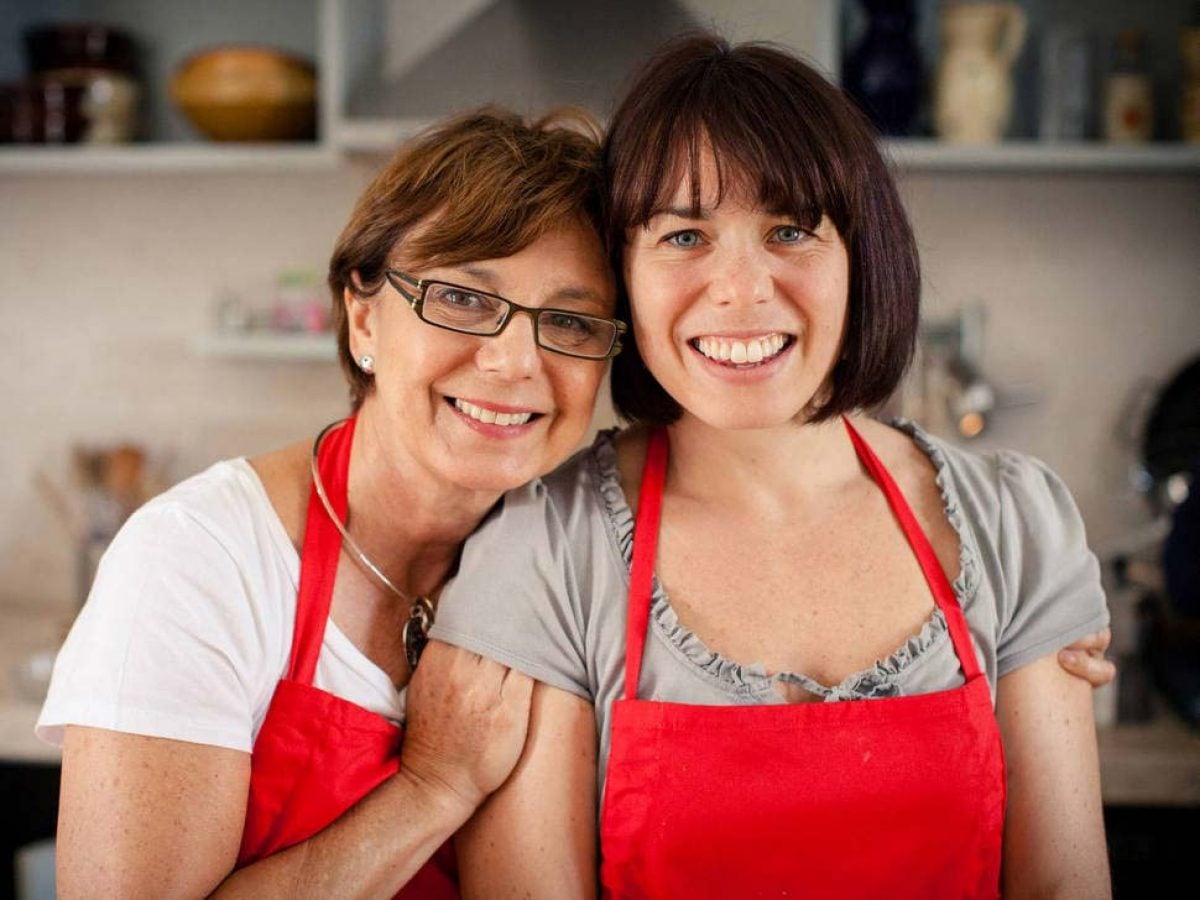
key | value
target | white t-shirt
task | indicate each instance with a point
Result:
(189, 624)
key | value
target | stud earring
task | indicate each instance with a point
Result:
(366, 362)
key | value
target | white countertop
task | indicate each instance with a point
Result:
(25, 630)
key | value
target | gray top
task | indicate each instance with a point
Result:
(543, 586)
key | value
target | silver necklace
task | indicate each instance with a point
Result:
(420, 610)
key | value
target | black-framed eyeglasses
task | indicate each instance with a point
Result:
(468, 311)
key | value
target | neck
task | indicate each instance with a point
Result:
(407, 520)
(767, 471)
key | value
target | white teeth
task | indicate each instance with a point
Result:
(738, 352)
(490, 416)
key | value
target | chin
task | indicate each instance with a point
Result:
(744, 416)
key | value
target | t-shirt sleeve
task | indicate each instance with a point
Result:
(515, 597)
(167, 644)
(1051, 594)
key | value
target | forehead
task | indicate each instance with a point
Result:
(702, 172)
(708, 182)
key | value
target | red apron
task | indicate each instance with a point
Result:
(316, 754)
(899, 797)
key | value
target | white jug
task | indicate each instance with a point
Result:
(974, 90)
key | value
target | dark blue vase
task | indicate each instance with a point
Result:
(884, 73)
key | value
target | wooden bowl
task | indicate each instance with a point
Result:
(247, 94)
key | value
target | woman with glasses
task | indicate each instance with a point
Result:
(783, 649)
(232, 699)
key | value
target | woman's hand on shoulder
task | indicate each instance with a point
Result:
(1085, 659)
(466, 724)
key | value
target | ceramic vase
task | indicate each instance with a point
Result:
(884, 72)
(980, 42)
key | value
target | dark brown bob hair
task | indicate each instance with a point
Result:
(490, 184)
(779, 131)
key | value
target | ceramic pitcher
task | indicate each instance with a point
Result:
(974, 89)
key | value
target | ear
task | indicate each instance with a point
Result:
(361, 317)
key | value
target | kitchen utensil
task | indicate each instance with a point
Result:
(980, 42)
(31, 676)
(883, 72)
(247, 93)
(1189, 100)
(33, 112)
(98, 64)
(1066, 84)
(79, 45)
(1128, 92)
(1171, 436)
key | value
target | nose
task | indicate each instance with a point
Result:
(741, 276)
(512, 354)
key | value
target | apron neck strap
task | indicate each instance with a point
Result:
(645, 545)
(935, 575)
(321, 552)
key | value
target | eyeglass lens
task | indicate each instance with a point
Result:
(462, 310)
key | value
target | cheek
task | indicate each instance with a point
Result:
(577, 388)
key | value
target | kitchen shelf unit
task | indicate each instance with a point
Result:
(927, 155)
(167, 34)
(349, 40)
(145, 159)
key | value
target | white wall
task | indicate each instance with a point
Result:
(1091, 283)
(1091, 286)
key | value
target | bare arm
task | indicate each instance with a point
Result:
(536, 836)
(142, 816)
(1054, 833)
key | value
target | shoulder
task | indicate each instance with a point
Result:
(224, 506)
(187, 624)
(570, 497)
(286, 479)
(996, 489)
(1030, 540)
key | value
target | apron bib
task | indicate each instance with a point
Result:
(900, 797)
(316, 754)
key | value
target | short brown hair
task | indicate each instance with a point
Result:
(492, 183)
(777, 127)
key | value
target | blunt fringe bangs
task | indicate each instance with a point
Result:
(780, 132)
(486, 184)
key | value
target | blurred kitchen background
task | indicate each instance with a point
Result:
(173, 176)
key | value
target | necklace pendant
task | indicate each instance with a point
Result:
(416, 630)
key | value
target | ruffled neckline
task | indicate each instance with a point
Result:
(752, 679)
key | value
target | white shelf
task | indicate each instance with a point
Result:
(374, 136)
(923, 155)
(269, 347)
(382, 136)
(176, 157)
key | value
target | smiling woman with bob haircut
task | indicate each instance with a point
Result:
(784, 649)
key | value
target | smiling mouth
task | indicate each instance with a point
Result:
(739, 353)
(486, 416)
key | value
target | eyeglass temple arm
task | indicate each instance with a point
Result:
(396, 274)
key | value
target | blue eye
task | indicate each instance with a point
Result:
(789, 234)
(684, 239)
